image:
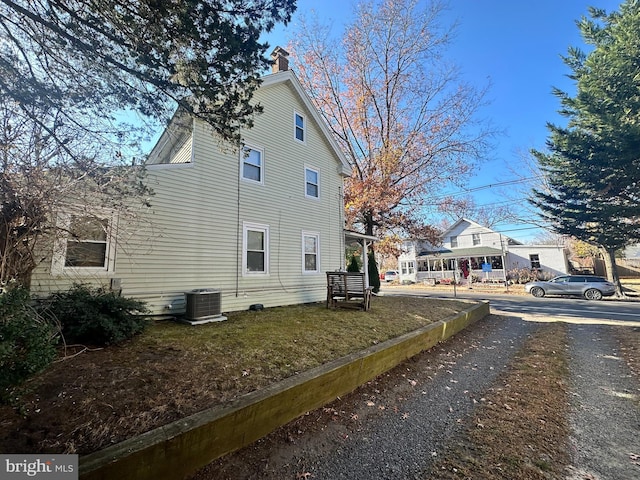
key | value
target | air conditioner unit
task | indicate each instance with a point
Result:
(203, 305)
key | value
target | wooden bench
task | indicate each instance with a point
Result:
(347, 289)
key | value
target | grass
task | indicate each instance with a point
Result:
(103, 396)
(278, 342)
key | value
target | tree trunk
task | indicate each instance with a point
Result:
(612, 269)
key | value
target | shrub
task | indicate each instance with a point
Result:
(524, 275)
(27, 340)
(97, 316)
(354, 264)
(374, 274)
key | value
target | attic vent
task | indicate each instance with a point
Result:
(203, 305)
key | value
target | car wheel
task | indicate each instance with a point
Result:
(593, 294)
(537, 292)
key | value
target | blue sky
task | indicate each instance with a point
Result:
(516, 46)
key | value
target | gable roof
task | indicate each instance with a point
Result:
(289, 76)
(460, 221)
(179, 127)
(509, 240)
(173, 136)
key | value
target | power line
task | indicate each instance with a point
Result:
(485, 187)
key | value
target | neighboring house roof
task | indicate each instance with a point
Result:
(462, 252)
(483, 229)
(458, 222)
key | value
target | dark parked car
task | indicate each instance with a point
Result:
(588, 286)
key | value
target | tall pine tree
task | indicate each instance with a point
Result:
(592, 165)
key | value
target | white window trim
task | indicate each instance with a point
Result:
(318, 268)
(452, 239)
(59, 256)
(246, 226)
(531, 261)
(262, 164)
(473, 239)
(304, 127)
(317, 172)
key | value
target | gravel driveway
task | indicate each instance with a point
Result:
(606, 407)
(402, 446)
(398, 425)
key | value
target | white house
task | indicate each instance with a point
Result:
(472, 252)
(260, 223)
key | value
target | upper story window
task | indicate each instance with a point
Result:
(311, 252)
(299, 127)
(476, 239)
(312, 183)
(252, 164)
(454, 241)
(255, 250)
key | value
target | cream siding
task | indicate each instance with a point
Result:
(183, 155)
(192, 235)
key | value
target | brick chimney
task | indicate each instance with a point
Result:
(280, 60)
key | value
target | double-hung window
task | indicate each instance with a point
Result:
(476, 239)
(310, 252)
(312, 183)
(87, 242)
(454, 241)
(299, 127)
(534, 258)
(252, 164)
(255, 250)
(84, 244)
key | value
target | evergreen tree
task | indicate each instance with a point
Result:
(374, 274)
(354, 264)
(592, 165)
(86, 59)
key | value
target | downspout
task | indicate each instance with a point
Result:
(343, 246)
(238, 251)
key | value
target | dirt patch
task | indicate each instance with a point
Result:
(103, 396)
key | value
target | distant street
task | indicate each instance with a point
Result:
(569, 309)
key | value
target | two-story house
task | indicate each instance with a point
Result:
(260, 222)
(472, 252)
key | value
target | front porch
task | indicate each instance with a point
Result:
(461, 266)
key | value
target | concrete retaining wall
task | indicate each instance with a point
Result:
(182, 447)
